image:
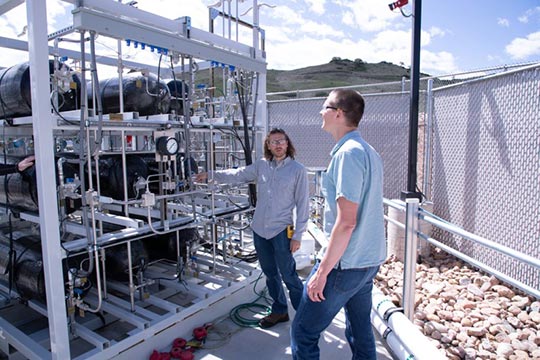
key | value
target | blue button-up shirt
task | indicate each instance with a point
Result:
(356, 173)
(281, 187)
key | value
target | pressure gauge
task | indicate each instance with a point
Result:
(167, 145)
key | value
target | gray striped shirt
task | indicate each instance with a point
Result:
(281, 187)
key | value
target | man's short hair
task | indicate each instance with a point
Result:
(351, 103)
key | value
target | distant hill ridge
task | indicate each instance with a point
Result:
(338, 72)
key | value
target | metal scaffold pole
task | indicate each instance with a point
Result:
(44, 145)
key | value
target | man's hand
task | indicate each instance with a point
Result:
(295, 245)
(316, 286)
(26, 163)
(200, 177)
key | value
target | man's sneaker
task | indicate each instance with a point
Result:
(273, 319)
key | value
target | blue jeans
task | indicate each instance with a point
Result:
(277, 263)
(350, 289)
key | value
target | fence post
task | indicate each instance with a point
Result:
(428, 136)
(411, 241)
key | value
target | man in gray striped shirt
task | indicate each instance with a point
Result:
(281, 187)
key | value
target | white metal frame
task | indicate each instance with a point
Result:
(113, 19)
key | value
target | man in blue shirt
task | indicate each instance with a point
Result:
(354, 223)
(281, 187)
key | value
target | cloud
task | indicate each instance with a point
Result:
(437, 63)
(503, 22)
(370, 15)
(348, 18)
(522, 48)
(311, 27)
(283, 14)
(12, 24)
(287, 53)
(529, 14)
(436, 32)
(293, 24)
(317, 6)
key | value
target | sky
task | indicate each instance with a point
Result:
(457, 35)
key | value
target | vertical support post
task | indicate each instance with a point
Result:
(413, 109)
(428, 137)
(120, 74)
(255, 26)
(409, 269)
(36, 12)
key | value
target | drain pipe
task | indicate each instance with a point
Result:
(402, 336)
(390, 337)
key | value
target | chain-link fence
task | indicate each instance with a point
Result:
(483, 151)
(486, 166)
(384, 126)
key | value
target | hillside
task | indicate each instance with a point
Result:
(338, 72)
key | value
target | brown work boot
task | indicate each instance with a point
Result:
(273, 319)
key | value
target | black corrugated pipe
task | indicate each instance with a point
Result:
(247, 147)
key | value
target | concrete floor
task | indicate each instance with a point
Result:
(228, 341)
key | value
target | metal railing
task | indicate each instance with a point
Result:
(414, 213)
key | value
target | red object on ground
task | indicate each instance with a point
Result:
(156, 355)
(186, 355)
(176, 352)
(179, 343)
(200, 333)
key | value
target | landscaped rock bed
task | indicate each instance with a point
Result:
(469, 314)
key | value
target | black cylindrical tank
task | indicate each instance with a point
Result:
(117, 260)
(164, 246)
(15, 96)
(143, 94)
(178, 90)
(21, 189)
(27, 267)
(112, 177)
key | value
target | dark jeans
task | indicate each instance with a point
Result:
(350, 289)
(277, 264)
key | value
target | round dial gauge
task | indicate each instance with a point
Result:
(167, 145)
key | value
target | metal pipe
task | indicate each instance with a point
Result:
(509, 280)
(426, 216)
(97, 91)
(428, 136)
(237, 20)
(441, 224)
(255, 25)
(132, 287)
(82, 158)
(124, 170)
(409, 266)
(104, 273)
(120, 74)
(212, 165)
(413, 110)
(62, 209)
